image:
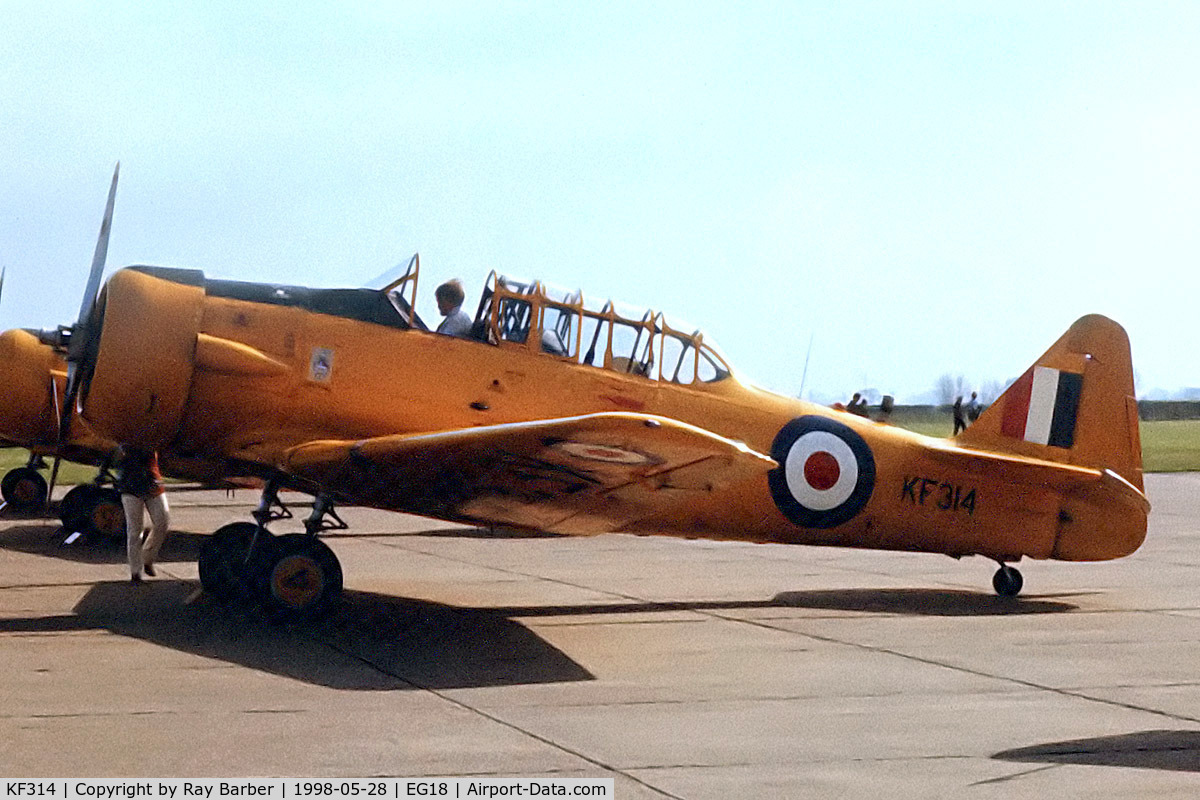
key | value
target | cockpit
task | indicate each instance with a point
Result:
(563, 325)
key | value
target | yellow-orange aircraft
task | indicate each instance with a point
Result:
(22, 488)
(562, 415)
(31, 393)
(32, 387)
(30, 396)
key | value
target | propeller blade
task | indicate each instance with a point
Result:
(81, 332)
(2, 271)
(101, 254)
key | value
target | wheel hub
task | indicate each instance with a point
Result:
(107, 518)
(297, 581)
(26, 492)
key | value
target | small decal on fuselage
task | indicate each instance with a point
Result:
(320, 366)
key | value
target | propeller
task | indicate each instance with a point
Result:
(75, 339)
(78, 345)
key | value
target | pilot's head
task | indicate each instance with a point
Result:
(450, 295)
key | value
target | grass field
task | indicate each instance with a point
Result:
(68, 473)
(1167, 446)
(1171, 445)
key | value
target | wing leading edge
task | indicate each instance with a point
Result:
(586, 474)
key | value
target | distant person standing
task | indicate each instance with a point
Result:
(858, 405)
(450, 296)
(886, 406)
(140, 484)
(960, 421)
(974, 409)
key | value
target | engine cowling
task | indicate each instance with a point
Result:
(141, 365)
(27, 407)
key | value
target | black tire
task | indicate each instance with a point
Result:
(1007, 581)
(105, 517)
(216, 554)
(23, 489)
(73, 510)
(225, 571)
(302, 580)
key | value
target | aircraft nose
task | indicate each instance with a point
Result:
(26, 403)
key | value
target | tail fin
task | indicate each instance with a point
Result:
(1075, 405)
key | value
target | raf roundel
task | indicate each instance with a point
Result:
(825, 475)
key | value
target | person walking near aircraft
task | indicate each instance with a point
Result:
(140, 484)
(450, 296)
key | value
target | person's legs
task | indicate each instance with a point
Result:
(160, 518)
(134, 517)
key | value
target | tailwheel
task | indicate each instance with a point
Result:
(1007, 581)
(304, 577)
(23, 489)
(227, 568)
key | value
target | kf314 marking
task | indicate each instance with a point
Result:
(577, 418)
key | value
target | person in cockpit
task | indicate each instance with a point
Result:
(450, 296)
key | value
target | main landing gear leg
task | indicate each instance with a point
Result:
(1007, 581)
(293, 575)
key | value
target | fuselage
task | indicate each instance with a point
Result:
(267, 376)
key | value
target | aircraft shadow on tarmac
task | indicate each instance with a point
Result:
(183, 546)
(46, 539)
(1160, 749)
(927, 602)
(901, 602)
(369, 643)
(374, 642)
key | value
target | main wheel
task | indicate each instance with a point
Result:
(303, 578)
(105, 517)
(23, 489)
(224, 566)
(1007, 581)
(75, 505)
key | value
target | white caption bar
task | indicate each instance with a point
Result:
(306, 788)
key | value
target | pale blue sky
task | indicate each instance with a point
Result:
(922, 187)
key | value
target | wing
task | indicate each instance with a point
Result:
(585, 474)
